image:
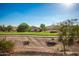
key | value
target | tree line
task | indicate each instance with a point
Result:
(23, 27)
(4, 28)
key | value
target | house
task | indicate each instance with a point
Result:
(35, 29)
(52, 29)
(14, 29)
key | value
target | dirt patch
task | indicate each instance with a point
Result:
(37, 45)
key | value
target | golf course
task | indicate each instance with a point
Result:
(29, 33)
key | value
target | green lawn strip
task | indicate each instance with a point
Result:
(29, 33)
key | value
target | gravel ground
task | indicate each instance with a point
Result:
(37, 46)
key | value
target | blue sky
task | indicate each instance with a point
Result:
(36, 13)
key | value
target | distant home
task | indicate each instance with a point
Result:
(14, 29)
(35, 29)
(49, 29)
(52, 29)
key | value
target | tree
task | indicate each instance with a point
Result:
(29, 29)
(0, 28)
(23, 27)
(43, 28)
(67, 33)
(9, 28)
(4, 28)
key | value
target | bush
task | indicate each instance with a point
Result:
(52, 38)
(6, 46)
(51, 43)
(26, 43)
(53, 31)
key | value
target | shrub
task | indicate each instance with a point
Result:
(6, 46)
(53, 31)
(51, 43)
(52, 38)
(26, 43)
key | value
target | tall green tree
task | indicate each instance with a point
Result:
(23, 27)
(43, 27)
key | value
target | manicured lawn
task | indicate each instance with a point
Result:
(29, 33)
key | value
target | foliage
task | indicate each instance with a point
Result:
(9, 28)
(6, 46)
(43, 28)
(0, 28)
(68, 32)
(53, 31)
(29, 29)
(4, 28)
(23, 27)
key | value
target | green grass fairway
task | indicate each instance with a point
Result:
(29, 33)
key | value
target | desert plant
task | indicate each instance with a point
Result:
(26, 42)
(51, 43)
(67, 33)
(6, 46)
